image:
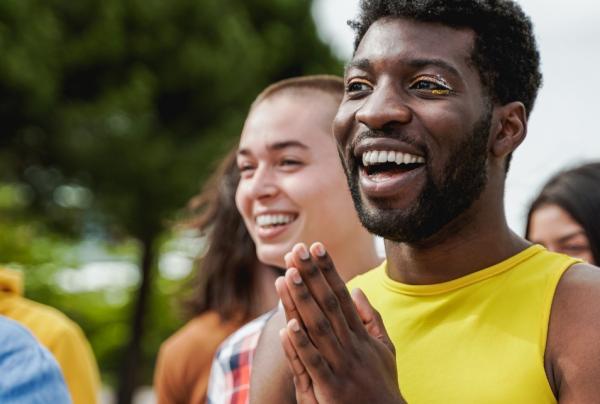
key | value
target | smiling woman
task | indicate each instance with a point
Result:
(292, 189)
(292, 186)
(564, 216)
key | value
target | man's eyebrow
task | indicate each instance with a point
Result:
(420, 63)
(571, 235)
(362, 64)
(276, 146)
(365, 64)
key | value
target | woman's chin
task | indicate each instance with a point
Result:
(273, 255)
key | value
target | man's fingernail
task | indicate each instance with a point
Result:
(319, 249)
(287, 257)
(303, 252)
(296, 278)
(294, 325)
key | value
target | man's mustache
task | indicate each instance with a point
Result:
(387, 133)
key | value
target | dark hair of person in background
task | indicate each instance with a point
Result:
(577, 192)
(224, 277)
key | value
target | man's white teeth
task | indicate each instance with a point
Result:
(377, 157)
(270, 220)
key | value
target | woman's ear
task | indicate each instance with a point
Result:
(510, 130)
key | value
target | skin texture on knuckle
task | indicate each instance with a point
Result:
(312, 271)
(302, 341)
(330, 303)
(315, 361)
(321, 327)
(303, 295)
(343, 296)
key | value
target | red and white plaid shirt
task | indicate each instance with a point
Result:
(229, 381)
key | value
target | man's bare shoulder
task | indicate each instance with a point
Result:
(573, 348)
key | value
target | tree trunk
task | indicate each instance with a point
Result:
(128, 378)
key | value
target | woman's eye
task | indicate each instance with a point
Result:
(576, 249)
(290, 162)
(245, 169)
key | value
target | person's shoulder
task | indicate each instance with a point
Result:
(14, 334)
(45, 322)
(245, 338)
(369, 278)
(574, 329)
(578, 290)
(30, 373)
(199, 336)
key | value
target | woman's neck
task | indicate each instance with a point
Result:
(355, 257)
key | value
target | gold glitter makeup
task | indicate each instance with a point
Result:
(441, 87)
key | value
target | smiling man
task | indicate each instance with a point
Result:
(437, 98)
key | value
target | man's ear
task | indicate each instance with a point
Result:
(510, 129)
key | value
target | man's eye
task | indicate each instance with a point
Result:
(356, 86)
(431, 85)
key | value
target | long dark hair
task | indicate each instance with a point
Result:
(577, 191)
(224, 278)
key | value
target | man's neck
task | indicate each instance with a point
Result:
(476, 240)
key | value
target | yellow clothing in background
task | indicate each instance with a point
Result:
(60, 335)
(477, 339)
(185, 358)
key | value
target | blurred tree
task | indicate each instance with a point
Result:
(114, 110)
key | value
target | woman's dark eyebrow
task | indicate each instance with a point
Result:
(276, 146)
(285, 144)
(571, 235)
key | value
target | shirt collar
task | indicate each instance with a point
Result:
(11, 281)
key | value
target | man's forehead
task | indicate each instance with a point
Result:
(405, 39)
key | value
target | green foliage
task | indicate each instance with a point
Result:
(113, 113)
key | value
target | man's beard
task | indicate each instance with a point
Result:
(464, 179)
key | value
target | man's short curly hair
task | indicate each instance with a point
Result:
(505, 51)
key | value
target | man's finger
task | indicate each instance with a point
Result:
(336, 284)
(312, 360)
(301, 377)
(315, 322)
(322, 292)
(371, 319)
(289, 307)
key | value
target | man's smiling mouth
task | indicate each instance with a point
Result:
(385, 163)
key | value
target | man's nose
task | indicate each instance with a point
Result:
(385, 107)
(264, 183)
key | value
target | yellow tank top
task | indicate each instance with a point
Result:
(477, 339)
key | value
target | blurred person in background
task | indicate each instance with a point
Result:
(292, 189)
(29, 373)
(230, 287)
(59, 334)
(565, 216)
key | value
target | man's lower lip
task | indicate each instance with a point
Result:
(389, 185)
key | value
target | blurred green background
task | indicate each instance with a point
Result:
(113, 112)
